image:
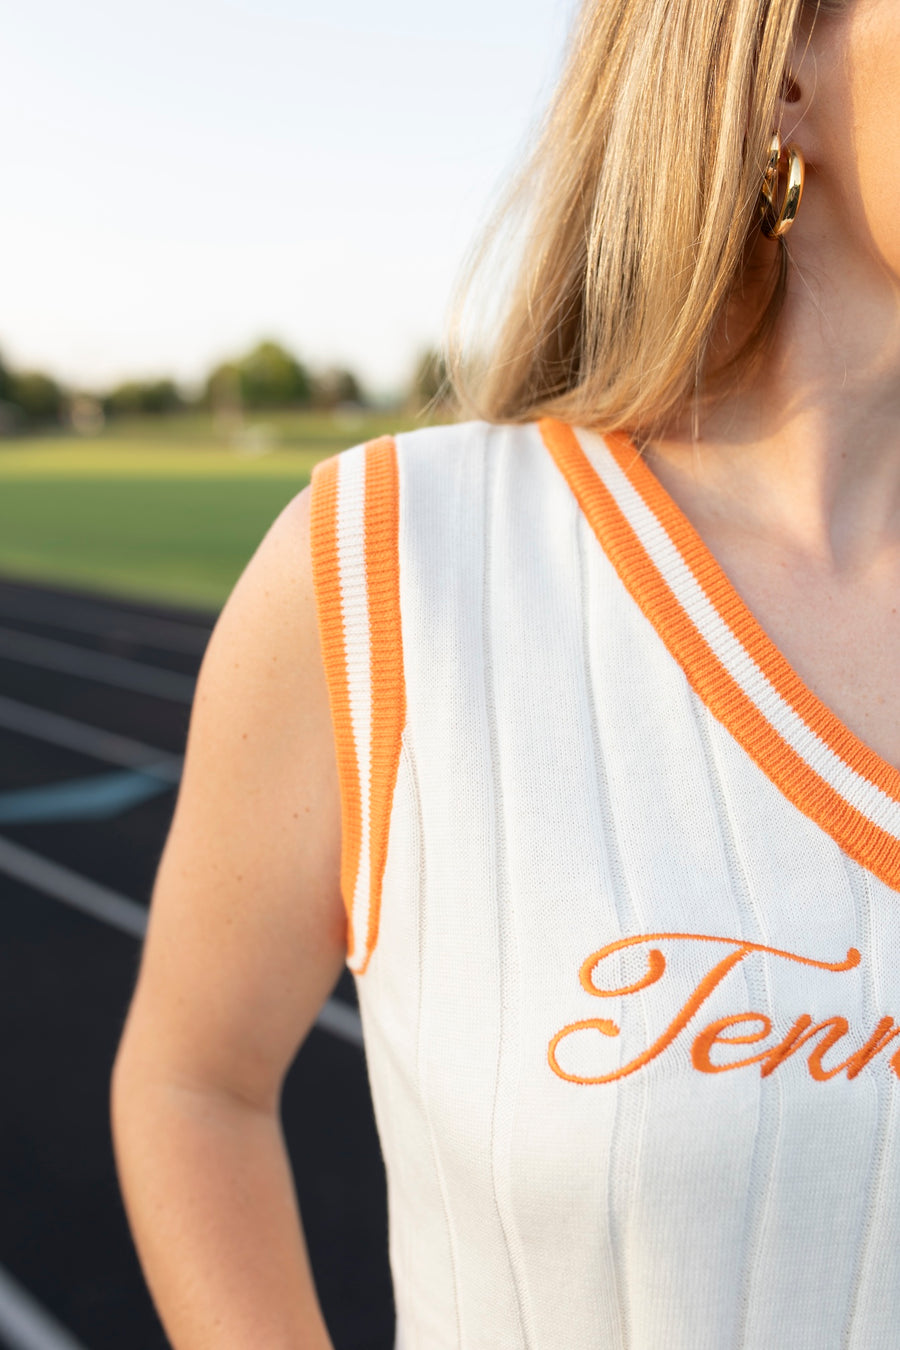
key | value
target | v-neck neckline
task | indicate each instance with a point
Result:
(747, 683)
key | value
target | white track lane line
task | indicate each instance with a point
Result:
(25, 1325)
(73, 889)
(109, 906)
(101, 666)
(167, 634)
(88, 740)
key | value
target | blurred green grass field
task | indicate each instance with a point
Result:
(167, 509)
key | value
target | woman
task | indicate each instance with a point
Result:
(586, 710)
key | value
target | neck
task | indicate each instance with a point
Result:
(807, 454)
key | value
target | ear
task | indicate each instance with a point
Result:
(790, 90)
(808, 88)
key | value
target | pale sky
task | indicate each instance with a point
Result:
(182, 178)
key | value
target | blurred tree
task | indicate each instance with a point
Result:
(336, 386)
(162, 396)
(271, 377)
(125, 398)
(143, 396)
(38, 396)
(10, 414)
(5, 382)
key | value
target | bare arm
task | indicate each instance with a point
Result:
(244, 944)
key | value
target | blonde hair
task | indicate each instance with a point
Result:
(614, 250)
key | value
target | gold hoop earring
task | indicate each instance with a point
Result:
(776, 221)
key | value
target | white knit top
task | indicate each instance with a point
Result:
(623, 913)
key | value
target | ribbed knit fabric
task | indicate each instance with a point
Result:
(623, 913)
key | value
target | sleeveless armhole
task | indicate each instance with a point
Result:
(354, 523)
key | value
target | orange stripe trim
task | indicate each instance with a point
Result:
(327, 586)
(386, 646)
(862, 840)
(705, 567)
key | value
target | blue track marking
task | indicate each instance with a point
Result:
(99, 797)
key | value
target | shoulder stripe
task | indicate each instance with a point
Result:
(816, 761)
(354, 528)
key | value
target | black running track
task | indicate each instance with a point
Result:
(83, 818)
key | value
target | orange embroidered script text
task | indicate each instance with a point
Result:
(749, 1028)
